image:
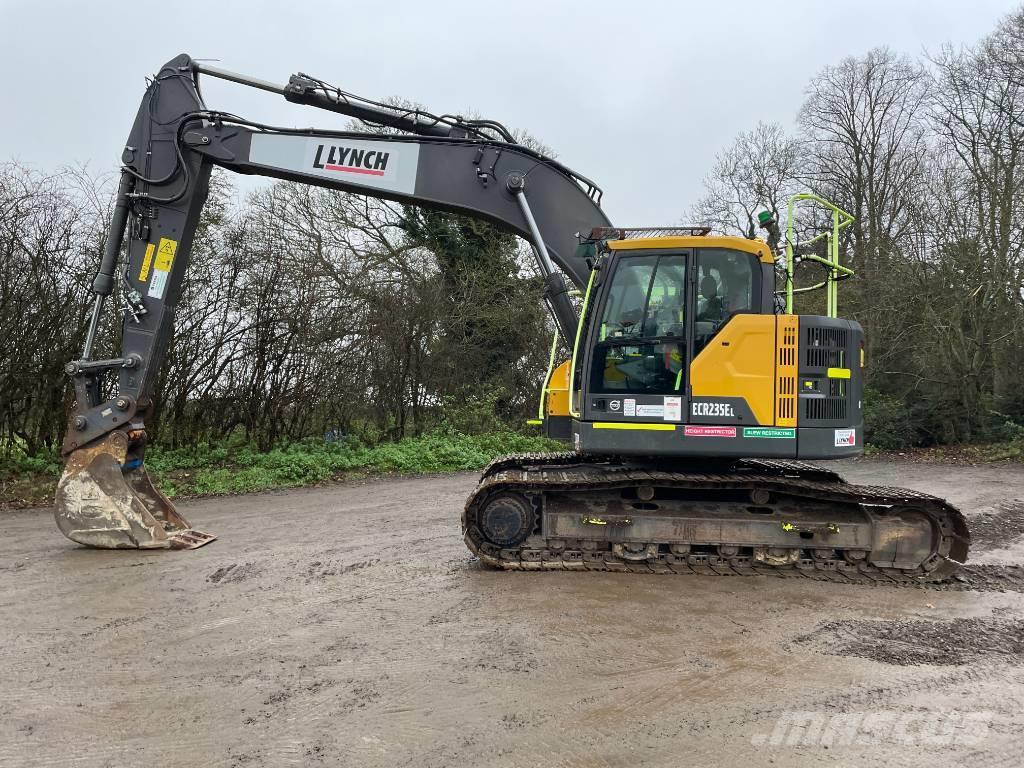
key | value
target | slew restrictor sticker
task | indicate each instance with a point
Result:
(162, 266)
(769, 432)
(147, 262)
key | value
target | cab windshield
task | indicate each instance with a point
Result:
(642, 338)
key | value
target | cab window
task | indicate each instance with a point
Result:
(641, 345)
(726, 285)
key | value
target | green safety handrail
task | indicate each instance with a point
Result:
(576, 343)
(545, 388)
(840, 220)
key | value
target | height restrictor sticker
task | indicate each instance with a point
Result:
(162, 264)
(702, 431)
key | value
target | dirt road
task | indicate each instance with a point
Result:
(347, 626)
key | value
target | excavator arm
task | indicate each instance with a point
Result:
(472, 167)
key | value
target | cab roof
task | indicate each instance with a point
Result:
(757, 246)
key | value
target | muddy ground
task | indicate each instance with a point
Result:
(348, 626)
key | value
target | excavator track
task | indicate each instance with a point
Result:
(606, 514)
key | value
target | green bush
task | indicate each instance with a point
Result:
(240, 468)
(15, 462)
(888, 422)
(1003, 419)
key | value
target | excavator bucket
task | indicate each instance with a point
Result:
(106, 500)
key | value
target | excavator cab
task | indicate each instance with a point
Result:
(682, 352)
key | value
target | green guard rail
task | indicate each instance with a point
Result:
(840, 219)
(545, 387)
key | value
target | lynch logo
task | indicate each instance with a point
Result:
(712, 409)
(350, 160)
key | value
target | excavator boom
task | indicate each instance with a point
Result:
(472, 167)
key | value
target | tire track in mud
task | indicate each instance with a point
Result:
(392, 648)
(903, 642)
(998, 526)
(970, 578)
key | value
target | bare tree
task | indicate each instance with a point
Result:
(977, 115)
(757, 172)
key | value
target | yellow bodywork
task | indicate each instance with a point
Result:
(787, 344)
(753, 357)
(740, 362)
(756, 246)
(557, 391)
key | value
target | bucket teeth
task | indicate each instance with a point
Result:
(108, 502)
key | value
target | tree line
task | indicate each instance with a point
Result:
(928, 155)
(305, 312)
(315, 313)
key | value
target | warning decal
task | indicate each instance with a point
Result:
(695, 431)
(147, 262)
(775, 432)
(162, 266)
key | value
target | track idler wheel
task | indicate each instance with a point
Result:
(106, 500)
(507, 520)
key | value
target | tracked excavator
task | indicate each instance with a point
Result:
(691, 402)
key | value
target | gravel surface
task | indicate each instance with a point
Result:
(348, 626)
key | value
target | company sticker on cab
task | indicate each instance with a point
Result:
(673, 409)
(846, 437)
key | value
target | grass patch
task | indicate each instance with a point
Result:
(240, 468)
(966, 453)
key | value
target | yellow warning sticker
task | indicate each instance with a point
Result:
(162, 267)
(147, 262)
(165, 254)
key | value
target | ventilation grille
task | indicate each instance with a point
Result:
(825, 408)
(785, 385)
(825, 348)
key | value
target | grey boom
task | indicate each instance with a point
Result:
(469, 167)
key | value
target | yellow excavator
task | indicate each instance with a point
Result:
(692, 398)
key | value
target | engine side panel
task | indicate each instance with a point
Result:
(739, 362)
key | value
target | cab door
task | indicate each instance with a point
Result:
(636, 365)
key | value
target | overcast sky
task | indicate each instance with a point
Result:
(639, 96)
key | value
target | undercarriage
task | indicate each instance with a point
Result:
(569, 511)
